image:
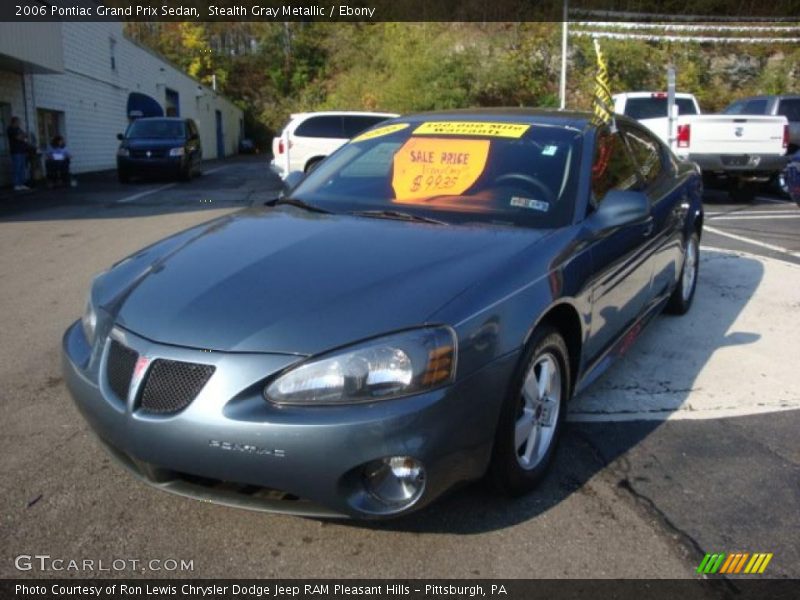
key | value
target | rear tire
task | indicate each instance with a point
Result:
(681, 300)
(532, 415)
(123, 176)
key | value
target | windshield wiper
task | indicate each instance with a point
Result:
(397, 215)
(298, 203)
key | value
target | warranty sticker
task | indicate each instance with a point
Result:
(380, 131)
(506, 130)
(530, 203)
(425, 167)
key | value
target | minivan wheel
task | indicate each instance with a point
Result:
(532, 415)
(681, 300)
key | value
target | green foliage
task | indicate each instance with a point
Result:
(274, 69)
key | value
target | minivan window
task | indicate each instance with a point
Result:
(327, 126)
(790, 108)
(355, 124)
(156, 129)
(656, 106)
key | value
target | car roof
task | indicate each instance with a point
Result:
(767, 97)
(177, 119)
(564, 118)
(651, 94)
(341, 113)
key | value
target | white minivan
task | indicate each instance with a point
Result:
(310, 137)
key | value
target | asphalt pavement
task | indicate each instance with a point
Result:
(687, 446)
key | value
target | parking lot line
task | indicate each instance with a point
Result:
(747, 240)
(773, 200)
(748, 217)
(752, 212)
(145, 193)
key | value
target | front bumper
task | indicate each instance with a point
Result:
(758, 166)
(162, 164)
(233, 447)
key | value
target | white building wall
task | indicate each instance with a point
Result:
(94, 97)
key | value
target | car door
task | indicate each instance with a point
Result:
(621, 259)
(669, 202)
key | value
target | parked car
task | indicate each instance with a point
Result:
(159, 146)
(787, 105)
(247, 146)
(743, 151)
(310, 137)
(418, 311)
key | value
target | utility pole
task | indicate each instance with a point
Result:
(564, 33)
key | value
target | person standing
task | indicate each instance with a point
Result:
(18, 146)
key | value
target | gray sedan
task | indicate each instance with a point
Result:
(415, 313)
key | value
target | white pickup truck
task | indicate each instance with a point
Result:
(744, 150)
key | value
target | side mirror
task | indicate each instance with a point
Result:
(292, 180)
(120, 137)
(619, 208)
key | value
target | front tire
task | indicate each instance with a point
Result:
(681, 300)
(123, 176)
(532, 415)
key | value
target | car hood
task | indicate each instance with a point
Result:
(285, 280)
(152, 143)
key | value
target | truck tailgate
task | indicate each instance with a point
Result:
(734, 134)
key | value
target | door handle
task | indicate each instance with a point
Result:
(648, 228)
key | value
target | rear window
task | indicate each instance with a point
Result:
(327, 126)
(747, 107)
(790, 108)
(355, 124)
(156, 129)
(521, 174)
(655, 107)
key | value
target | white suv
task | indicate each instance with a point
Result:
(310, 137)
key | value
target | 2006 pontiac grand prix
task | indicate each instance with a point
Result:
(415, 313)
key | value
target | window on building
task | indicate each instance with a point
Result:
(51, 124)
(173, 103)
(112, 49)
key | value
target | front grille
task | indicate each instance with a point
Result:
(171, 385)
(160, 153)
(121, 362)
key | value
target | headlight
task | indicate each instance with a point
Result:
(123, 152)
(396, 365)
(89, 321)
(177, 151)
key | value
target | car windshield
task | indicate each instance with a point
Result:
(656, 107)
(156, 129)
(519, 174)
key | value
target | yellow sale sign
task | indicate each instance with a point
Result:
(427, 167)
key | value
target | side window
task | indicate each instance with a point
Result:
(790, 108)
(647, 153)
(355, 124)
(612, 168)
(327, 126)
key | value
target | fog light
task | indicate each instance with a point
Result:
(396, 481)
